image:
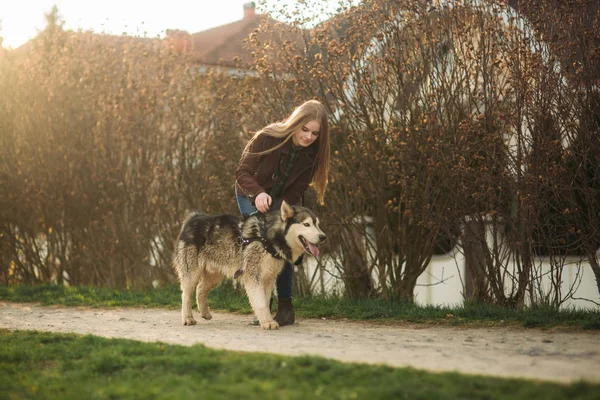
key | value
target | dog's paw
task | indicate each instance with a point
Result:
(189, 321)
(269, 325)
(207, 316)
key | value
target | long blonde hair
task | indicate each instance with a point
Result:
(308, 111)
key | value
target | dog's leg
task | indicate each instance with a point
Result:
(187, 291)
(268, 294)
(260, 306)
(207, 283)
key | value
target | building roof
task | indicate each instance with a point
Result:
(222, 44)
(219, 46)
(225, 44)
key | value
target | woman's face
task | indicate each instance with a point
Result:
(307, 134)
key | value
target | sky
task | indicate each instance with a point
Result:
(21, 20)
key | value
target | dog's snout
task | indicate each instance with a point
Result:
(322, 238)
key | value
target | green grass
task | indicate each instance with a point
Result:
(227, 298)
(66, 366)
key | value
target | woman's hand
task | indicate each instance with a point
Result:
(263, 202)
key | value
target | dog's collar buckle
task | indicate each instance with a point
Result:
(242, 241)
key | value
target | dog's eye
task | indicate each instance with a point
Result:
(306, 224)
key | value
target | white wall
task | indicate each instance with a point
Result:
(442, 283)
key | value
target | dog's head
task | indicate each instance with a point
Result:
(302, 228)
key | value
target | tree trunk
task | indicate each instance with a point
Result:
(475, 282)
(593, 260)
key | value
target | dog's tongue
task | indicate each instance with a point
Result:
(314, 250)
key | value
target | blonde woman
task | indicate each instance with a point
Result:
(279, 163)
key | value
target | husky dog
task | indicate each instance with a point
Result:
(252, 249)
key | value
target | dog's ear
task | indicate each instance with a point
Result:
(286, 211)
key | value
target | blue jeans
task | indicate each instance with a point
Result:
(285, 278)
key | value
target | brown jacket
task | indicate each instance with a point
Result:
(255, 173)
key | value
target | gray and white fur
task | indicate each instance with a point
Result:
(210, 248)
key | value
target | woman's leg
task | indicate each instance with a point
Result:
(244, 205)
(285, 311)
(285, 281)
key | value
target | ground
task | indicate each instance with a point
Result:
(505, 352)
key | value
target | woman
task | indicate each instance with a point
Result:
(279, 163)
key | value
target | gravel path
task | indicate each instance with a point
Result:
(522, 353)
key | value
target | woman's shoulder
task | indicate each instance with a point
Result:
(264, 142)
(268, 139)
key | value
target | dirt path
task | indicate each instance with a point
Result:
(532, 354)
